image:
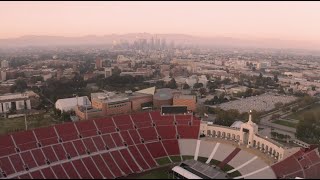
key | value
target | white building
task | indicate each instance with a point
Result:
(203, 79)
(4, 64)
(70, 104)
(192, 80)
(107, 72)
(14, 102)
(245, 134)
(3, 76)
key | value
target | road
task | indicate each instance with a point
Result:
(265, 121)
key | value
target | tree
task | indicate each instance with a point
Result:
(275, 78)
(197, 85)
(19, 86)
(278, 105)
(186, 86)
(201, 109)
(275, 116)
(290, 90)
(116, 71)
(313, 88)
(160, 84)
(203, 91)
(260, 76)
(172, 84)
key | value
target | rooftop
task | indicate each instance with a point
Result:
(10, 96)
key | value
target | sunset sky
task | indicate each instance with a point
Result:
(281, 20)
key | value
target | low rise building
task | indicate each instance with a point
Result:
(70, 104)
(14, 102)
(185, 100)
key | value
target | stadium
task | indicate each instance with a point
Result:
(163, 145)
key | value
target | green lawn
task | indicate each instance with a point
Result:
(175, 158)
(187, 157)
(299, 115)
(18, 124)
(155, 175)
(286, 123)
(214, 162)
(163, 161)
(160, 173)
(202, 159)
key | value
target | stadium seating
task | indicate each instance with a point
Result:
(126, 137)
(46, 136)
(188, 132)
(140, 160)
(146, 155)
(94, 149)
(141, 117)
(304, 163)
(172, 147)
(167, 132)
(148, 134)
(86, 128)
(67, 131)
(25, 140)
(156, 149)
(102, 167)
(128, 158)
(122, 120)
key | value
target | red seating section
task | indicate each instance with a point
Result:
(304, 164)
(94, 149)
(156, 149)
(46, 136)
(86, 128)
(25, 140)
(6, 146)
(141, 117)
(167, 132)
(67, 131)
(188, 132)
(172, 147)
(122, 120)
(148, 134)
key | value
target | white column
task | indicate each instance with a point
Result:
(0, 107)
(28, 104)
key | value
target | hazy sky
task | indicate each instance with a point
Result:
(284, 20)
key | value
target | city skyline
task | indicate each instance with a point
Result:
(251, 20)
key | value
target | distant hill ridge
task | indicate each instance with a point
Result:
(33, 40)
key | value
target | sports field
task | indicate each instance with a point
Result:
(285, 123)
(315, 108)
(18, 124)
(162, 172)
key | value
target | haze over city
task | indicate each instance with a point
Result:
(263, 21)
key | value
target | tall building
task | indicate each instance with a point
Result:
(152, 43)
(157, 43)
(4, 64)
(107, 72)
(98, 63)
(163, 44)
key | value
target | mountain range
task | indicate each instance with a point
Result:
(32, 40)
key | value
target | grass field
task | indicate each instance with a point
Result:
(160, 173)
(18, 124)
(175, 158)
(299, 115)
(187, 157)
(285, 123)
(163, 161)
